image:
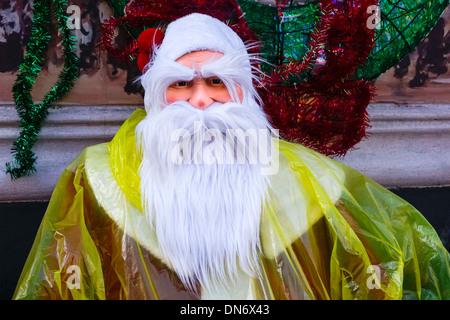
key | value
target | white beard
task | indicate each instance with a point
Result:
(206, 216)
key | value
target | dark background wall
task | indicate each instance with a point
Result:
(21, 220)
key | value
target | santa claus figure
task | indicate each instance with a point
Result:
(196, 197)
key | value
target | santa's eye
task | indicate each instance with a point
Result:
(215, 81)
(180, 84)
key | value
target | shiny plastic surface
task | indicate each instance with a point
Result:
(328, 232)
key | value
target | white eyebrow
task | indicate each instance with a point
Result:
(233, 69)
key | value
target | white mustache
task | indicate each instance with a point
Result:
(216, 115)
(222, 134)
(214, 146)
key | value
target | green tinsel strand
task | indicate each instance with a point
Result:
(33, 115)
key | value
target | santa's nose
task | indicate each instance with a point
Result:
(200, 97)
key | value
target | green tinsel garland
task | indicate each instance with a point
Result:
(33, 115)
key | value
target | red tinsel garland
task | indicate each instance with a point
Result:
(326, 112)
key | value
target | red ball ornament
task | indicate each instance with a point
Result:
(147, 40)
(142, 60)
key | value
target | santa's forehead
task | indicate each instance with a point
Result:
(196, 59)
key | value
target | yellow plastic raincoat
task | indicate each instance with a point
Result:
(328, 232)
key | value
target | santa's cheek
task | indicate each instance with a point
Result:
(175, 95)
(170, 100)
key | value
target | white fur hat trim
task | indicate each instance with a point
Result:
(196, 32)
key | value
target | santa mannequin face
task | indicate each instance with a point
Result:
(200, 92)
